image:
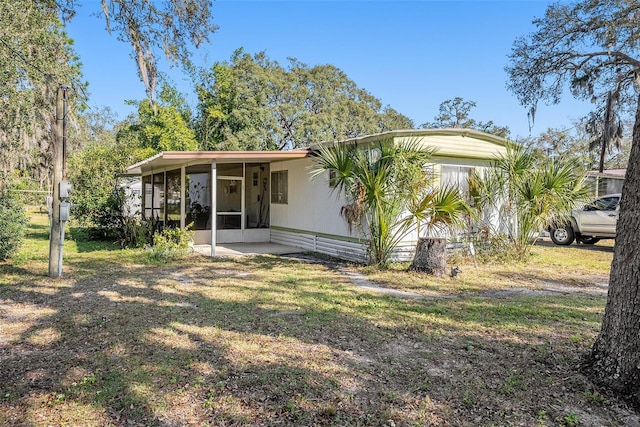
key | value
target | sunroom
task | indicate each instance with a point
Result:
(226, 196)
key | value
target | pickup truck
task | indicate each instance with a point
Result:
(596, 221)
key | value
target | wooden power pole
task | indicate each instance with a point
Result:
(56, 241)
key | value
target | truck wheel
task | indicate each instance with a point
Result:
(589, 240)
(563, 236)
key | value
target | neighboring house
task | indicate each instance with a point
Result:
(608, 182)
(269, 196)
(132, 188)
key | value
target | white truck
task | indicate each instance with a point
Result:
(596, 221)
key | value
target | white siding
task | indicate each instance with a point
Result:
(350, 251)
(311, 219)
(312, 206)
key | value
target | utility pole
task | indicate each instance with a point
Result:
(58, 217)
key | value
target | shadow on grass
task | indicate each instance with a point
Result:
(7, 269)
(269, 341)
(37, 232)
(85, 242)
(607, 247)
(594, 285)
(130, 349)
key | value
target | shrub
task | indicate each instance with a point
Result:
(13, 221)
(113, 224)
(93, 172)
(172, 243)
(527, 192)
(136, 232)
(98, 199)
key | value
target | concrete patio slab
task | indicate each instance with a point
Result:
(242, 249)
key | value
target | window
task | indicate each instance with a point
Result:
(280, 187)
(604, 204)
(457, 177)
(198, 195)
(173, 198)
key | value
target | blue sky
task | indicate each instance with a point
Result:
(412, 55)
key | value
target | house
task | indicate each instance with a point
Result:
(132, 193)
(269, 196)
(608, 182)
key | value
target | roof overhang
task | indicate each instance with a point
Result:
(609, 173)
(173, 159)
(409, 133)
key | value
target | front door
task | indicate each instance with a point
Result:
(229, 203)
(229, 215)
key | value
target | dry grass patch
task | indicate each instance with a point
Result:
(270, 341)
(553, 268)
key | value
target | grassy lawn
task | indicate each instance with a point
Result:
(123, 341)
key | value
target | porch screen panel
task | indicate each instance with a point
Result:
(257, 195)
(198, 197)
(230, 169)
(229, 204)
(173, 198)
(158, 197)
(147, 190)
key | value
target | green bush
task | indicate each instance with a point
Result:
(13, 221)
(98, 199)
(172, 243)
(109, 221)
(136, 232)
(112, 224)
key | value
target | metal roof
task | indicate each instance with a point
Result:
(172, 159)
(472, 133)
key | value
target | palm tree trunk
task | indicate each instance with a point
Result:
(430, 256)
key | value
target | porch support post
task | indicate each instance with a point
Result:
(214, 209)
(183, 193)
(243, 208)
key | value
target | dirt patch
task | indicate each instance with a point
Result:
(539, 288)
(273, 341)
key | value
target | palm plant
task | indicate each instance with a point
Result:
(437, 209)
(529, 192)
(376, 181)
(389, 192)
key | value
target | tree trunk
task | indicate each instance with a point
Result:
(614, 361)
(430, 256)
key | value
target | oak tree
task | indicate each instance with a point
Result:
(165, 129)
(593, 48)
(576, 142)
(35, 55)
(254, 103)
(455, 113)
(172, 27)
